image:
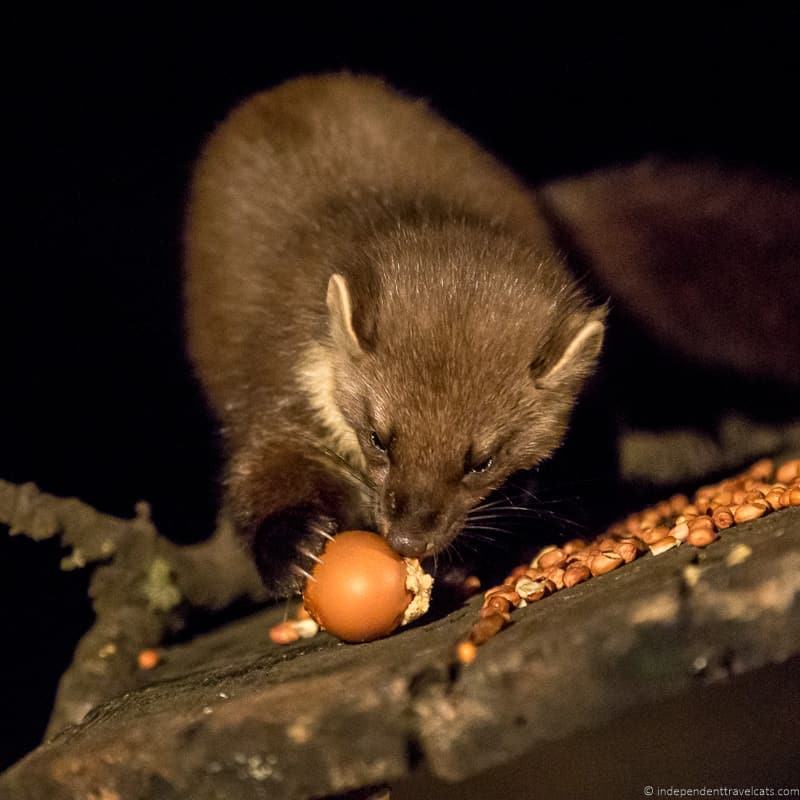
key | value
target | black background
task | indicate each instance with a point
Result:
(105, 116)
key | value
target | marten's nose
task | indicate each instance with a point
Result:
(412, 522)
(409, 545)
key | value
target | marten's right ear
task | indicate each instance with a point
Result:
(571, 355)
(340, 306)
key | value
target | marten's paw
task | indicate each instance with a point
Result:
(286, 545)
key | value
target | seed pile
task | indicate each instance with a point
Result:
(760, 490)
(290, 630)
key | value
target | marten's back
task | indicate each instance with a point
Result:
(285, 189)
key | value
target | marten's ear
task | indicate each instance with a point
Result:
(340, 306)
(572, 355)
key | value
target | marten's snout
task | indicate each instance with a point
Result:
(412, 525)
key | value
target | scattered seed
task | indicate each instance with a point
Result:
(663, 526)
(492, 612)
(788, 472)
(532, 590)
(750, 511)
(722, 518)
(678, 502)
(723, 498)
(556, 575)
(575, 574)
(701, 523)
(553, 558)
(654, 534)
(496, 603)
(484, 629)
(680, 531)
(471, 586)
(662, 545)
(702, 537)
(691, 575)
(627, 551)
(283, 633)
(738, 555)
(773, 499)
(605, 562)
(762, 469)
(573, 546)
(543, 551)
(148, 659)
(466, 652)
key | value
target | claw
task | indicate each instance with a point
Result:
(300, 571)
(316, 529)
(309, 554)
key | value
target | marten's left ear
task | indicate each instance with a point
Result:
(342, 327)
(571, 356)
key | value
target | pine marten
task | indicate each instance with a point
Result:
(379, 318)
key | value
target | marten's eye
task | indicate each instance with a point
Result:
(481, 466)
(377, 442)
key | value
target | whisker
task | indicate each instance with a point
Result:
(492, 542)
(486, 505)
(451, 548)
(526, 509)
(484, 528)
(467, 544)
(343, 463)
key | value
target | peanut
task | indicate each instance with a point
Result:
(556, 575)
(654, 535)
(722, 518)
(283, 633)
(553, 558)
(485, 628)
(605, 562)
(680, 531)
(701, 523)
(466, 652)
(702, 537)
(750, 511)
(788, 472)
(662, 545)
(678, 502)
(761, 470)
(575, 574)
(148, 659)
(628, 551)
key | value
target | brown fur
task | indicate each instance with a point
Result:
(355, 264)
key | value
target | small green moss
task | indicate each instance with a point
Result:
(159, 588)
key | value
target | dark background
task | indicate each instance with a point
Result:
(105, 117)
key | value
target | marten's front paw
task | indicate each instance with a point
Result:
(287, 545)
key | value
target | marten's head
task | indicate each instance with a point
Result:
(455, 368)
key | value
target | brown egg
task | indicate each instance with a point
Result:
(358, 592)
